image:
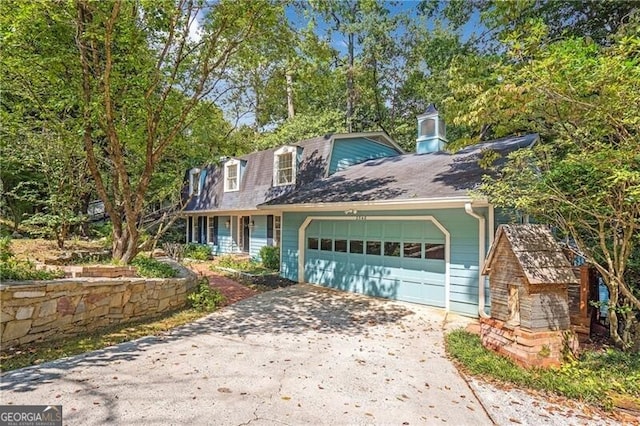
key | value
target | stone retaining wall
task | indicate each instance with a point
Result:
(92, 271)
(44, 310)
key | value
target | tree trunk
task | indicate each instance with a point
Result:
(125, 244)
(290, 110)
(61, 235)
(350, 91)
(613, 316)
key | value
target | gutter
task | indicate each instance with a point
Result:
(413, 203)
(481, 255)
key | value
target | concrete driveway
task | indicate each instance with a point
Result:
(299, 355)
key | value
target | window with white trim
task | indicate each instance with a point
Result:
(277, 226)
(284, 166)
(194, 182)
(231, 175)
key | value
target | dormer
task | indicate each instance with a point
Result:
(195, 184)
(233, 170)
(285, 165)
(431, 131)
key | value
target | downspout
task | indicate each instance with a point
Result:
(481, 255)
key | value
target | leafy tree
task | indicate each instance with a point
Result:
(42, 166)
(369, 70)
(303, 126)
(584, 178)
(143, 77)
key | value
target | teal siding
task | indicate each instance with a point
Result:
(464, 251)
(347, 152)
(225, 242)
(258, 236)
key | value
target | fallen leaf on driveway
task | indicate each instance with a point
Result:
(224, 390)
(286, 398)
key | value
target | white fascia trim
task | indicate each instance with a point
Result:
(245, 212)
(447, 242)
(416, 203)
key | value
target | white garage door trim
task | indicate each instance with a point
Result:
(447, 246)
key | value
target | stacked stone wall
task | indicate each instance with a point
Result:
(47, 310)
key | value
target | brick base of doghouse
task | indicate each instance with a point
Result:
(526, 348)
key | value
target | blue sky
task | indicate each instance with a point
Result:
(408, 7)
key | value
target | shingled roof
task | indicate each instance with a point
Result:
(256, 185)
(405, 177)
(537, 252)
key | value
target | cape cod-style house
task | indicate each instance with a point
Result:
(355, 212)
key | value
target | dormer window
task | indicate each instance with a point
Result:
(284, 166)
(194, 182)
(231, 175)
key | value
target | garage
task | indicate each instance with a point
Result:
(402, 258)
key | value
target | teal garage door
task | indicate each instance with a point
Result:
(402, 260)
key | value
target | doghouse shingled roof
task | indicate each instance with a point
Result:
(538, 253)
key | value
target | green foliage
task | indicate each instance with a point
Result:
(239, 264)
(468, 350)
(15, 270)
(197, 251)
(102, 230)
(204, 298)
(596, 377)
(151, 268)
(583, 177)
(5, 249)
(270, 257)
(303, 126)
(234, 262)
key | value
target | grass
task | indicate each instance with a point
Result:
(38, 353)
(604, 378)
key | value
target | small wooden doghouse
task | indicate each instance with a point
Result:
(528, 277)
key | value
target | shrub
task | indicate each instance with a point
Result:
(151, 268)
(5, 249)
(270, 257)
(197, 251)
(204, 298)
(15, 270)
(233, 262)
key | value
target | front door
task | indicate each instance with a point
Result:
(244, 229)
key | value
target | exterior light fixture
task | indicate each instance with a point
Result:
(227, 224)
